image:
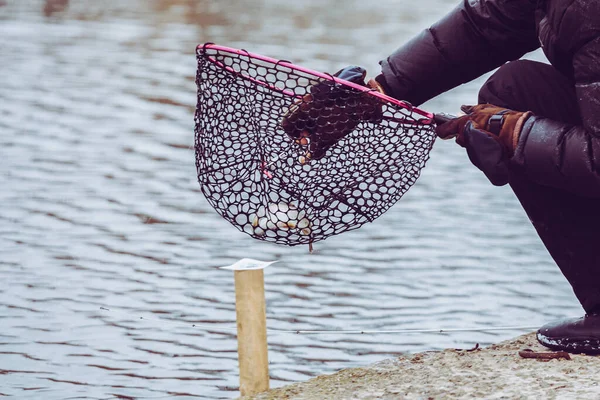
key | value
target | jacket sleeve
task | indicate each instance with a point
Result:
(566, 156)
(474, 38)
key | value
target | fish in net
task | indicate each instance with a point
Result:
(262, 178)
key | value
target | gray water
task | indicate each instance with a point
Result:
(100, 207)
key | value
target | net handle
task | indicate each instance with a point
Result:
(429, 117)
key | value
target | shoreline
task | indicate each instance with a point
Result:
(493, 372)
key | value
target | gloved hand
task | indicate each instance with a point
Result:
(330, 112)
(490, 134)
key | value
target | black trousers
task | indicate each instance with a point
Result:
(569, 225)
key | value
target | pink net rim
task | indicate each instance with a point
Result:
(403, 104)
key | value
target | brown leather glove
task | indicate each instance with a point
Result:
(502, 124)
(490, 135)
(331, 111)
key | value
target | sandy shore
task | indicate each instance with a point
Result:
(495, 372)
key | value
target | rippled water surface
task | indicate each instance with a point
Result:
(100, 208)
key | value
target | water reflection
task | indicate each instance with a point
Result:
(101, 208)
(54, 6)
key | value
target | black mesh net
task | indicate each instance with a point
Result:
(265, 182)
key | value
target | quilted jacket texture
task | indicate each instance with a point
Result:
(478, 36)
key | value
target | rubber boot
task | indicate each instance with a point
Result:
(574, 335)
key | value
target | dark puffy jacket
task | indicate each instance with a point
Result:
(480, 35)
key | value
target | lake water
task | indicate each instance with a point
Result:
(100, 207)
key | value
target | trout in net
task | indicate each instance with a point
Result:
(263, 181)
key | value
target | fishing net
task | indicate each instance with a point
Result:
(263, 181)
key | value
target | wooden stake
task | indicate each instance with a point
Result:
(252, 331)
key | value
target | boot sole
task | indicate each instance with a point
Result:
(589, 346)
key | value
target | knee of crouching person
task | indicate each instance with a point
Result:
(499, 88)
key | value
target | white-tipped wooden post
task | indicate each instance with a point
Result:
(251, 331)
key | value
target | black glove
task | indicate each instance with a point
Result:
(487, 153)
(331, 111)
